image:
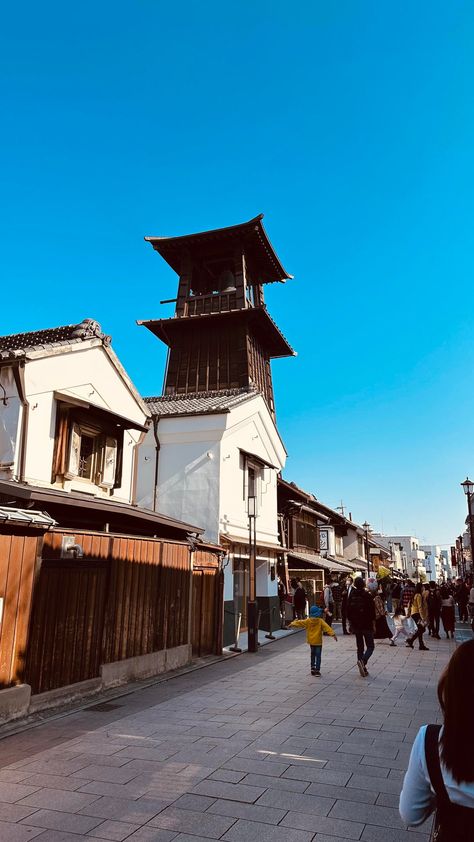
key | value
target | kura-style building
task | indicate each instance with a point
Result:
(214, 442)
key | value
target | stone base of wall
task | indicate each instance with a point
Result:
(14, 702)
(60, 695)
(17, 702)
(145, 666)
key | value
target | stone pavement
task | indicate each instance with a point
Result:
(252, 748)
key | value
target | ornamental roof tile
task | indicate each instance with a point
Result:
(199, 403)
(17, 344)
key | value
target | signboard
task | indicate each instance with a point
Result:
(454, 560)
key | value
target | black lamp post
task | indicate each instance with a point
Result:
(468, 487)
(366, 527)
(252, 611)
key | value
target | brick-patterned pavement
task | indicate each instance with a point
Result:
(253, 748)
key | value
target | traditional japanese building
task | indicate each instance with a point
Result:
(214, 442)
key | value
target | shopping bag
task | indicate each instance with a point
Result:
(410, 625)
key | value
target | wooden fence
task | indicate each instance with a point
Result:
(18, 555)
(207, 607)
(127, 596)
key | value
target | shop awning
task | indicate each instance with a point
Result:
(316, 561)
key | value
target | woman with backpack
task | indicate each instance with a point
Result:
(440, 773)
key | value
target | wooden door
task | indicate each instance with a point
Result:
(66, 630)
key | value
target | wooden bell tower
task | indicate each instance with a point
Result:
(221, 337)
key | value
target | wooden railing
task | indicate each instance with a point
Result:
(216, 302)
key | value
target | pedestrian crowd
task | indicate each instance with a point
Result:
(363, 608)
(440, 774)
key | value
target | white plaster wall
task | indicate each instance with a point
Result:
(250, 427)
(10, 419)
(188, 470)
(85, 371)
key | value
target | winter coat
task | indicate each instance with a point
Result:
(314, 629)
(360, 610)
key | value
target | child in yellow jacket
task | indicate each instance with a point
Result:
(315, 626)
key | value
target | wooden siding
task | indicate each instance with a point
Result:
(18, 556)
(127, 596)
(207, 605)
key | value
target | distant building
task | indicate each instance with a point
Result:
(412, 556)
(433, 562)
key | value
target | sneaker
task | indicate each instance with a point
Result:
(423, 649)
(316, 672)
(392, 643)
(361, 666)
(313, 672)
(366, 671)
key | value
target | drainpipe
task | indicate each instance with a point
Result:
(133, 486)
(157, 452)
(19, 375)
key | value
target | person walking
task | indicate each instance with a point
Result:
(337, 599)
(399, 620)
(396, 594)
(361, 615)
(434, 610)
(345, 596)
(419, 614)
(282, 595)
(448, 616)
(462, 597)
(315, 626)
(470, 607)
(328, 604)
(299, 601)
(382, 631)
(440, 774)
(407, 595)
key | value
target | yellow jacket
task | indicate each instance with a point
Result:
(314, 629)
(419, 606)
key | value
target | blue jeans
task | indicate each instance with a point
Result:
(316, 657)
(367, 638)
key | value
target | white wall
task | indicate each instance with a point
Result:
(188, 470)
(200, 471)
(10, 420)
(250, 427)
(86, 371)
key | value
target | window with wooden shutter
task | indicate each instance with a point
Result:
(109, 463)
(73, 461)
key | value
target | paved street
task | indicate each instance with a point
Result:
(252, 748)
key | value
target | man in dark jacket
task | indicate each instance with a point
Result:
(299, 601)
(361, 615)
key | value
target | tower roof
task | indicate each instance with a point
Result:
(168, 329)
(250, 235)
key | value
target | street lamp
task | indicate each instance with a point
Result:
(366, 527)
(468, 487)
(252, 614)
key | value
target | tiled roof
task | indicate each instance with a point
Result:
(199, 403)
(17, 344)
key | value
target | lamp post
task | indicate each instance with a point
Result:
(366, 527)
(252, 613)
(468, 487)
(461, 556)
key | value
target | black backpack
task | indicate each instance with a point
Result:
(452, 823)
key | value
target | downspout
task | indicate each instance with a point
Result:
(133, 488)
(19, 375)
(157, 453)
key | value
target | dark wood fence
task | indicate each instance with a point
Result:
(18, 555)
(207, 606)
(126, 596)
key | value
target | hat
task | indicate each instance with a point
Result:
(315, 611)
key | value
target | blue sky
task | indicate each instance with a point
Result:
(351, 126)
